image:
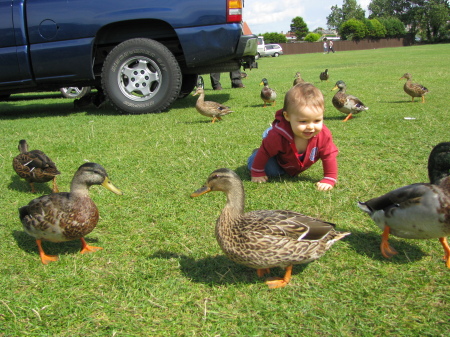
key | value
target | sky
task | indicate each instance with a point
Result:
(268, 16)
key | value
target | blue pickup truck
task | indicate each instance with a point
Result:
(143, 54)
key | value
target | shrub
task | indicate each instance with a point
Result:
(312, 37)
(353, 30)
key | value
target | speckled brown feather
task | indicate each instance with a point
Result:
(298, 79)
(347, 104)
(34, 166)
(210, 109)
(266, 238)
(66, 216)
(413, 89)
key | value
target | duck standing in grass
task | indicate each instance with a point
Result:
(268, 95)
(347, 104)
(414, 89)
(210, 109)
(35, 166)
(298, 78)
(266, 239)
(417, 211)
(324, 76)
(60, 217)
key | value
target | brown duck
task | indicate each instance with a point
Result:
(210, 109)
(298, 78)
(268, 95)
(347, 104)
(414, 89)
(265, 239)
(417, 211)
(60, 217)
(35, 166)
(324, 76)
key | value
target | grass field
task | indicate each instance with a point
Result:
(161, 272)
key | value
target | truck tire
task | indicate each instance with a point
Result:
(189, 83)
(74, 92)
(141, 76)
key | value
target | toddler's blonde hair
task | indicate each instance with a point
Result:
(301, 95)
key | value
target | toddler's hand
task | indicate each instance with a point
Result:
(323, 186)
(259, 179)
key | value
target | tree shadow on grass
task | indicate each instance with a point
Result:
(368, 244)
(219, 270)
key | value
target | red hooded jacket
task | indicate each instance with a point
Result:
(280, 143)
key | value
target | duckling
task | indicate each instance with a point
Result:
(35, 166)
(268, 95)
(324, 76)
(417, 211)
(298, 78)
(347, 104)
(210, 109)
(413, 89)
(60, 217)
(266, 239)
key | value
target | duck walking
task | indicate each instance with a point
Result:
(268, 95)
(210, 109)
(413, 89)
(266, 239)
(35, 166)
(417, 211)
(64, 216)
(347, 104)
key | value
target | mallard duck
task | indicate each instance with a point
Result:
(66, 216)
(35, 166)
(413, 89)
(417, 211)
(347, 104)
(268, 95)
(266, 239)
(324, 76)
(298, 78)
(210, 109)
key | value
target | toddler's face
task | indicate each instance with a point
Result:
(305, 122)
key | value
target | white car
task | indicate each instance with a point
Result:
(274, 50)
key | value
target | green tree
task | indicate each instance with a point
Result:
(274, 38)
(436, 15)
(350, 10)
(394, 27)
(312, 37)
(299, 27)
(375, 29)
(353, 30)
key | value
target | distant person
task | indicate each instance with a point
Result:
(235, 77)
(296, 140)
(330, 46)
(325, 46)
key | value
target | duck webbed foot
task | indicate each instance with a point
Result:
(88, 249)
(280, 282)
(45, 259)
(386, 249)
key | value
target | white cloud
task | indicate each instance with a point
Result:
(276, 15)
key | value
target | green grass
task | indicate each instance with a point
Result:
(161, 272)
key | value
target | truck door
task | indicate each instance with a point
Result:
(13, 73)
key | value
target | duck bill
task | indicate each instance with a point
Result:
(335, 87)
(200, 191)
(109, 186)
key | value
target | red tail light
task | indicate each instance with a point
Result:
(234, 10)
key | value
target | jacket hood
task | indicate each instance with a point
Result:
(282, 126)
